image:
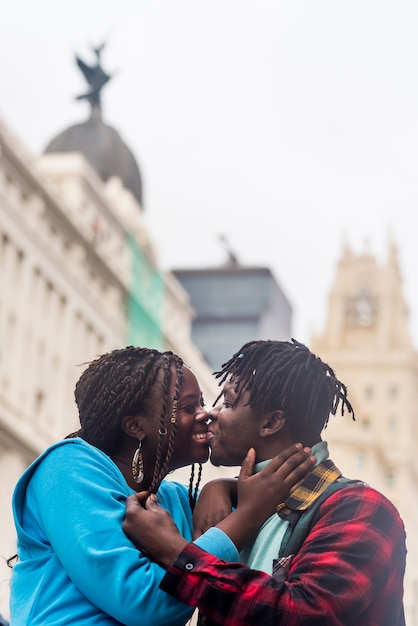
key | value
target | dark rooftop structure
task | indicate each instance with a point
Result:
(234, 304)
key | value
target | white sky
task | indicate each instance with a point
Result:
(285, 125)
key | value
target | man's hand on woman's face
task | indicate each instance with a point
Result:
(152, 529)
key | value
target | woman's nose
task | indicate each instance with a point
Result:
(202, 414)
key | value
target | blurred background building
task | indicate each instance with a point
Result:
(80, 276)
(367, 341)
(234, 304)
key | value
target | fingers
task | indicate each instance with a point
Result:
(284, 455)
(151, 504)
(247, 466)
(292, 461)
(299, 472)
(296, 467)
(132, 503)
(140, 501)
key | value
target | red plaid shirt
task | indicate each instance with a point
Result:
(349, 571)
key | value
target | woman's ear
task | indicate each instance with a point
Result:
(132, 426)
(272, 423)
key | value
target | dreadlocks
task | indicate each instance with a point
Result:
(121, 383)
(286, 375)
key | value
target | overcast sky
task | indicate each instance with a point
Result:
(287, 126)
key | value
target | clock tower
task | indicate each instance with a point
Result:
(366, 341)
(366, 305)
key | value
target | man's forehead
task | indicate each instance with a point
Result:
(232, 388)
(230, 385)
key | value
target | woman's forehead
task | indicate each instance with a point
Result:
(189, 379)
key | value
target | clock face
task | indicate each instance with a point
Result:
(361, 308)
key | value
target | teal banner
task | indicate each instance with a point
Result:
(145, 301)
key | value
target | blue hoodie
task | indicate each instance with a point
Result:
(76, 565)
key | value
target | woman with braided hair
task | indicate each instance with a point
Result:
(141, 415)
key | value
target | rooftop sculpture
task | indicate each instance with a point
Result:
(95, 76)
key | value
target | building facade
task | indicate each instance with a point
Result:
(78, 277)
(367, 342)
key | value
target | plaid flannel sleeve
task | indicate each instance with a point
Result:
(348, 571)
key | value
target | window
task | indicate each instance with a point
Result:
(39, 402)
(392, 424)
(361, 460)
(393, 392)
(390, 478)
(368, 392)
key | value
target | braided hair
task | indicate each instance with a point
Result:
(286, 375)
(121, 383)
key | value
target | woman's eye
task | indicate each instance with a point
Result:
(190, 408)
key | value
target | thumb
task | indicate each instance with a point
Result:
(247, 466)
(152, 504)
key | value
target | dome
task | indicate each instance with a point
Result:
(103, 148)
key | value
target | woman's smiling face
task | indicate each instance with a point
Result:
(191, 442)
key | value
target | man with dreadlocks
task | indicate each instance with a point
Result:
(142, 415)
(333, 553)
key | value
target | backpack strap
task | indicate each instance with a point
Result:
(297, 532)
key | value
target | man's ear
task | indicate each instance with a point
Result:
(132, 426)
(272, 423)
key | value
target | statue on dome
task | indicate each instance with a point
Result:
(95, 76)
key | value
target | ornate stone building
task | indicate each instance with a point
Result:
(78, 277)
(366, 340)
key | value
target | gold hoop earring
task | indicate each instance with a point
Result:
(138, 464)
